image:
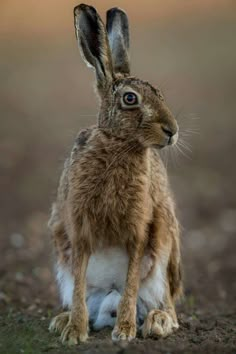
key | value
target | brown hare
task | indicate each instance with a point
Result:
(115, 233)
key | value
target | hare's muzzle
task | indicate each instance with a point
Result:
(171, 134)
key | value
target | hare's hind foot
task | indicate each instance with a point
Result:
(158, 323)
(59, 322)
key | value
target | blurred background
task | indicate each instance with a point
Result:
(187, 48)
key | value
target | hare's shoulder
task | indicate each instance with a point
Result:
(83, 136)
(82, 139)
(79, 145)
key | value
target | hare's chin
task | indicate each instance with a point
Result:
(174, 139)
(158, 146)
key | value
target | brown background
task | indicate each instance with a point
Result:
(187, 48)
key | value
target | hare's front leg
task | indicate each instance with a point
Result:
(125, 328)
(77, 326)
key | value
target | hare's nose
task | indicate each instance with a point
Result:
(169, 133)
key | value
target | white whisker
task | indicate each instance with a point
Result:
(182, 152)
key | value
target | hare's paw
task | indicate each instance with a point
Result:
(158, 324)
(125, 331)
(73, 334)
(59, 322)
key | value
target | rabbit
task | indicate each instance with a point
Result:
(114, 227)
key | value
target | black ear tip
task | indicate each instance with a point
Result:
(76, 10)
(114, 13)
(115, 10)
(85, 8)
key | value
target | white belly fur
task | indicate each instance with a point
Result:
(106, 275)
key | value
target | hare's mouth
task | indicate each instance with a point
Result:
(158, 146)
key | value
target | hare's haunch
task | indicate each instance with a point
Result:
(115, 233)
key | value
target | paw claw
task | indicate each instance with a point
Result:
(69, 332)
(72, 335)
(124, 333)
(59, 322)
(72, 341)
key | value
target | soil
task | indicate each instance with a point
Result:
(206, 314)
(39, 119)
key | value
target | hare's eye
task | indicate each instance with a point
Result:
(130, 98)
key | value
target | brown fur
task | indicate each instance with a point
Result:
(114, 191)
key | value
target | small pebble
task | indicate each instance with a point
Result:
(17, 240)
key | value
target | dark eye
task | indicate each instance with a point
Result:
(130, 98)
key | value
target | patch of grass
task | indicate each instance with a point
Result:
(21, 334)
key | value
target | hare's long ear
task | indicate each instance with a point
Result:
(118, 35)
(92, 38)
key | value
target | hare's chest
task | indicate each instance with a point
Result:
(123, 211)
(119, 187)
(115, 196)
(124, 194)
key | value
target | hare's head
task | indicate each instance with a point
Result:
(130, 108)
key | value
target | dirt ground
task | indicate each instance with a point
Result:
(46, 96)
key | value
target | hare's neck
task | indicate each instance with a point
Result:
(117, 152)
(119, 146)
(130, 155)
